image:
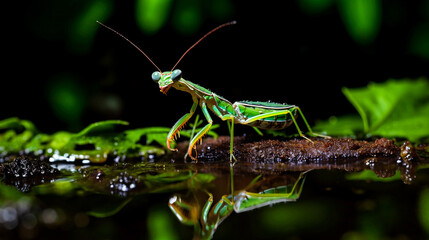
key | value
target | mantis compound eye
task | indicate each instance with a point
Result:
(176, 75)
(156, 76)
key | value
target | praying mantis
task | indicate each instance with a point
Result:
(207, 216)
(261, 115)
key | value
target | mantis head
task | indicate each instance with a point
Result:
(166, 79)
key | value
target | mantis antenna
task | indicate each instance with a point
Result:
(180, 59)
(122, 36)
(213, 30)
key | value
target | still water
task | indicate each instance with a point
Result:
(380, 197)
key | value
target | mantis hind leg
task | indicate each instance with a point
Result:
(285, 112)
(229, 118)
(308, 126)
(297, 126)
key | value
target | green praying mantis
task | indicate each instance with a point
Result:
(261, 115)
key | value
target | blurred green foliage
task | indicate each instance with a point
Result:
(83, 30)
(151, 15)
(67, 98)
(9, 194)
(423, 209)
(369, 175)
(419, 40)
(287, 219)
(159, 224)
(362, 19)
(187, 16)
(315, 6)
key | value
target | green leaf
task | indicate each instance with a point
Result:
(16, 133)
(157, 134)
(396, 108)
(101, 127)
(103, 138)
(45, 141)
(348, 125)
(17, 124)
(94, 142)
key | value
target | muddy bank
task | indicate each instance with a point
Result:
(383, 156)
(298, 151)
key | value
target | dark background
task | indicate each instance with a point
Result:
(63, 71)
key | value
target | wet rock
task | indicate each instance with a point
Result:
(26, 167)
(24, 172)
(94, 174)
(123, 184)
(408, 152)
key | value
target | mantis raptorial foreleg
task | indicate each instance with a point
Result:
(201, 133)
(180, 124)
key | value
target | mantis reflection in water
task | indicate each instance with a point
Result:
(206, 216)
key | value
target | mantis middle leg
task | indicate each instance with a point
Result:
(230, 121)
(231, 133)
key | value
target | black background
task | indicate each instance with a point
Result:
(275, 52)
